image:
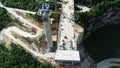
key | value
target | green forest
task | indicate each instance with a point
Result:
(17, 57)
(98, 7)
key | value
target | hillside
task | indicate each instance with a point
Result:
(101, 24)
(102, 14)
(17, 57)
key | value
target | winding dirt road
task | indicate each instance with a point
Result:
(13, 29)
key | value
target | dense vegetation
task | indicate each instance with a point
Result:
(21, 4)
(18, 58)
(97, 9)
(90, 2)
(4, 18)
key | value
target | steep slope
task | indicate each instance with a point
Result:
(101, 38)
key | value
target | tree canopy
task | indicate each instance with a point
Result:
(96, 10)
(17, 57)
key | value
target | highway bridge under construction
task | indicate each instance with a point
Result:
(65, 52)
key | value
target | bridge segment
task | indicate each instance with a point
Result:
(67, 48)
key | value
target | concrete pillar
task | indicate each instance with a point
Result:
(48, 33)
